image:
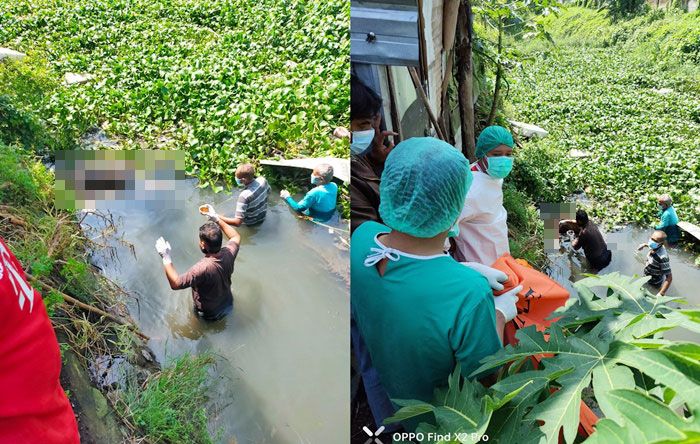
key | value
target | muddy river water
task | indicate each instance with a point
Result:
(282, 357)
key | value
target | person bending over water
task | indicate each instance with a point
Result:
(319, 203)
(210, 278)
(658, 263)
(591, 240)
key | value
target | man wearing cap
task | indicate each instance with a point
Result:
(483, 232)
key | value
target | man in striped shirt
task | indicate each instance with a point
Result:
(252, 202)
(658, 265)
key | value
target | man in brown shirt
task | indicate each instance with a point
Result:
(210, 278)
(594, 247)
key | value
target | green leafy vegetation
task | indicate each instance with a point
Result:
(625, 94)
(609, 340)
(525, 228)
(169, 406)
(227, 81)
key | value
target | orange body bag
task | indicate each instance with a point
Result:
(540, 296)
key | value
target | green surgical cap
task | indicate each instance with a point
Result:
(490, 138)
(423, 187)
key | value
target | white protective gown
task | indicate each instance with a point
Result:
(483, 232)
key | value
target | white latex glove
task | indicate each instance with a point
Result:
(211, 213)
(163, 248)
(505, 303)
(658, 294)
(284, 194)
(495, 277)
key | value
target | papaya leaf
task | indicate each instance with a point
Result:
(509, 425)
(605, 379)
(580, 353)
(462, 409)
(409, 409)
(646, 417)
(692, 315)
(608, 431)
(667, 367)
(619, 354)
(627, 306)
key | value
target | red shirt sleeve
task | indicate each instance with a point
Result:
(33, 406)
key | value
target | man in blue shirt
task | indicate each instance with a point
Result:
(319, 203)
(669, 219)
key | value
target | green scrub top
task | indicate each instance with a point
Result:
(423, 316)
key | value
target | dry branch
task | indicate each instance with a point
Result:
(90, 308)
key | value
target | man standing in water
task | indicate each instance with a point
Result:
(669, 219)
(210, 278)
(319, 203)
(251, 207)
(658, 263)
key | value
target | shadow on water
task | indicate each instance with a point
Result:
(567, 267)
(281, 375)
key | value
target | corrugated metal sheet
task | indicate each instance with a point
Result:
(384, 33)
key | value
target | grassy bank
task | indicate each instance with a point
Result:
(625, 94)
(54, 253)
(226, 80)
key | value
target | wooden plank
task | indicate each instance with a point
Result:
(341, 167)
(691, 229)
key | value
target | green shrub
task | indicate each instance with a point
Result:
(78, 279)
(16, 183)
(543, 172)
(170, 407)
(626, 8)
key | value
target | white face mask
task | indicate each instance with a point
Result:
(361, 141)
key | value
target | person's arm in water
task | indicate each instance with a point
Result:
(237, 220)
(576, 244)
(666, 284)
(304, 204)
